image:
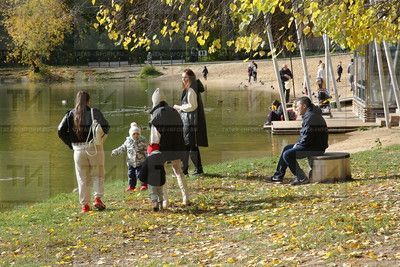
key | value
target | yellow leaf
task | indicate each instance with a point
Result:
(93, 2)
(117, 7)
(200, 40)
(231, 260)
(230, 43)
(206, 34)
(233, 7)
(187, 38)
(306, 30)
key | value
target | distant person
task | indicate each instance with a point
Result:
(153, 174)
(254, 73)
(250, 72)
(286, 75)
(166, 129)
(350, 73)
(313, 141)
(194, 123)
(339, 71)
(149, 58)
(321, 82)
(135, 148)
(275, 113)
(205, 72)
(74, 131)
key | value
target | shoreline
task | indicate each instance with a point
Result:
(232, 75)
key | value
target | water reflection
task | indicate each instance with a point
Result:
(35, 164)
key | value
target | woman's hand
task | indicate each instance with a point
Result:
(177, 107)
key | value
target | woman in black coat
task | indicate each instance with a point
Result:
(194, 122)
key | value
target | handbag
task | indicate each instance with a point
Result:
(99, 137)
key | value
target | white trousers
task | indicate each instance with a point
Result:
(177, 168)
(89, 169)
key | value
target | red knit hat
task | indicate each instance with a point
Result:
(153, 147)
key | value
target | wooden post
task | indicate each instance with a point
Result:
(392, 72)
(303, 58)
(275, 64)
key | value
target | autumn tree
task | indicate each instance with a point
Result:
(36, 28)
(350, 23)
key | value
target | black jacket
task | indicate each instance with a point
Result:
(195, 125)
(169, 124)
(314, 132)
(152, 171)
(282, 73)
(66, 132)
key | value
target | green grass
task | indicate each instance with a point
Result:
(237, 217)
(149, 71)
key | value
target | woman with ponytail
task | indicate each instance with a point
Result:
(74, 131)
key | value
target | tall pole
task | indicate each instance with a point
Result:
(392, 73)
(382, 82)
(332, 73)
(396, 55)
(381, 79)
(303, 58)
(326, 44)
(291, 67)
(275, 64)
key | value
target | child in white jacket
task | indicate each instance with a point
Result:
(135, 147)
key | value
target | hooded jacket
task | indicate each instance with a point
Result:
(168, 124)
(135, 151)
(314, 131)
(153, 172)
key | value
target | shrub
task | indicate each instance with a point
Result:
(149, 71)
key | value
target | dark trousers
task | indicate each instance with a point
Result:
(289, 158)
(193, 153)
(133, 173)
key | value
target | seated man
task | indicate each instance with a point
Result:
(312, 142)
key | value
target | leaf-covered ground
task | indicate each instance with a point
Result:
(237, 217)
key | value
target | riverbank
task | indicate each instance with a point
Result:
(237, 217)
(225, 75)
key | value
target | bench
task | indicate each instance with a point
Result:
(330, 167)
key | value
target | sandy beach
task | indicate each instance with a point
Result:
(233, 75)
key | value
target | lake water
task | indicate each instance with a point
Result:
(35, 164)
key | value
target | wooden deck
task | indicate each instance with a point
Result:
(341, 122)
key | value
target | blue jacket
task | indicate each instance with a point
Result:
(314, 132)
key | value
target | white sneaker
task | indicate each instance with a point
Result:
(165, 204)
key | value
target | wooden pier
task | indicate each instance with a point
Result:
(341, 122)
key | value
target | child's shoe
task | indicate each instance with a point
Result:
(156, 206)
(130, 188)
(98, 204)
(143, 187)
(85, 208)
